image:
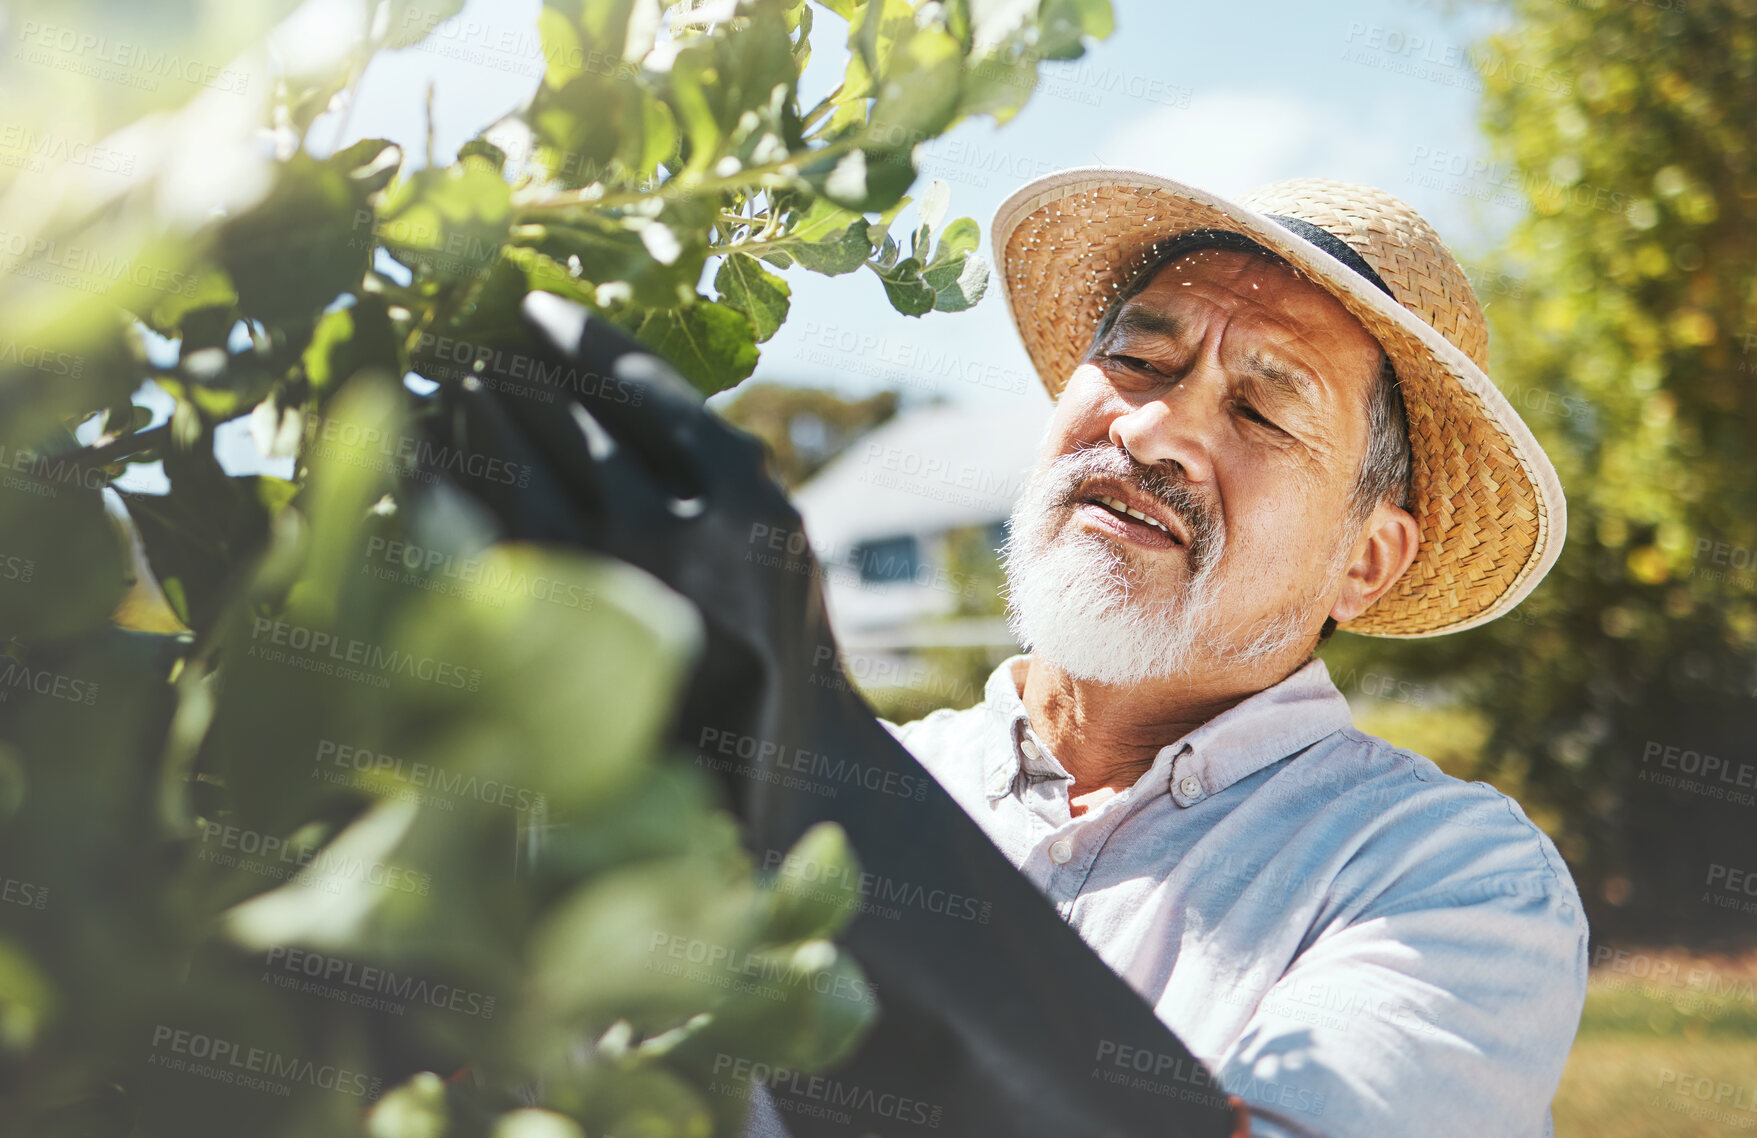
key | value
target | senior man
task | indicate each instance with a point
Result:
(1272, 420)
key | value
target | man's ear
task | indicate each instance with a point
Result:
(1383, 553)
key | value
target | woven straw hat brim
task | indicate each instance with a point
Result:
(1490, 509)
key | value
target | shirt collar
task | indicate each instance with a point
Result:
(1263, 729)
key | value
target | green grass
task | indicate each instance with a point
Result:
(1651, 1059)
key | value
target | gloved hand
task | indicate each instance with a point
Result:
(1007, 1023)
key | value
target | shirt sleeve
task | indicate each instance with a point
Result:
(1445, 1008)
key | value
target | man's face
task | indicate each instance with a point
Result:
(1227, 403)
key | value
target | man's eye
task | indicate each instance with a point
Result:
(1255, 415)
(1134, 363)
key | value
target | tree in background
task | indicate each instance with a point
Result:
(267, 872)
(1629, 127)
(804, 427)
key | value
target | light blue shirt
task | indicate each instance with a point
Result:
(1357, 943)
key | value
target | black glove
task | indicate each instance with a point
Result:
(1006, 1022)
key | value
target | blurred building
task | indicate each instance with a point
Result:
(906, 523)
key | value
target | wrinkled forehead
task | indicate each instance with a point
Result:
(1273, 299)
(1204, 248)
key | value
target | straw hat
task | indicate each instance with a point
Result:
(1486, 499)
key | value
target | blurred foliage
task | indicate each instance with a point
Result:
(928, 679)
(1629, 128)
(804, 427)
(381, 839)
(974, 570)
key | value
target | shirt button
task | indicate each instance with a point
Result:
(1031, 751)
(1061, 851)
(1191, 786)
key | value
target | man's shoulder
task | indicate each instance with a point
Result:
(1352, 767)
(948, 731)
(1463, 834)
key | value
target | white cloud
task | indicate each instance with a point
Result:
(1230, 142)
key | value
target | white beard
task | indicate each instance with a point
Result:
(1078, 601)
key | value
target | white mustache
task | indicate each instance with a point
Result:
(1070, 472)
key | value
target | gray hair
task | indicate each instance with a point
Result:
(1387, 468)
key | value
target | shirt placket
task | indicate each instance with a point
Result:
(1067, 848)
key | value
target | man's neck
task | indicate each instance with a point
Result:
(1107, 737)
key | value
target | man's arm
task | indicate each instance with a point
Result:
(1447, 1009)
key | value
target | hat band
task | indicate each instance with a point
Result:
(1335, 246)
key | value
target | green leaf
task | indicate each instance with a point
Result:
(998, 85)
(564, 52)
(27, 997)
(322, 908)
(846, 252)
(416, 1109)
(824, 910)
(615, 249)
(651, 141)
(903, 285)
(605, 22)
(203, 534)
(597, 119)
(918, 96)
(762, 296)
(634, 1100)
(888, 251)
(695, 80)
(957, 240)
(761, 61)
(246, 378)
(349, 339)
(1065, 24)
(448, 224)
(352, 464)
(308, 240)
(864, 180)
(528, 271)
(820, 1018)
(210, 300)
(207, 327)
(529, 1122)
(370, 164)
(802, 45)
(61, 562)
(958, 284)
(485, 150)
(526, 623)
(824, 222)
(875, 28)
(613, 920)
(956, 274)
(711, 343)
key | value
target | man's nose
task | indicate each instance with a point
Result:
(1173, 428)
